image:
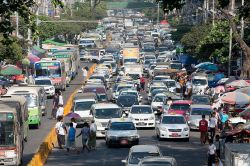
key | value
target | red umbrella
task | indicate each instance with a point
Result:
(33, 58)
(164, 22)
(219, 89)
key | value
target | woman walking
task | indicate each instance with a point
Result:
(85, 132)
(92, 137)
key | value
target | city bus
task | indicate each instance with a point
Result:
(11, 137)
(36, 102)
(54, 69)
(21, 102)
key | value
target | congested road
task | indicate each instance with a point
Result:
(187, 153)
(36, 136)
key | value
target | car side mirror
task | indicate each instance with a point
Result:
(124, 161)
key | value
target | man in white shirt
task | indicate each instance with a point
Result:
(61, 131)
(59, 111)
(60, 98)
(211, 153)
(213, 124)
(84, 73)
(92, 138)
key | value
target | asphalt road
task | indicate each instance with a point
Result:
(36, 136)
(190, 153)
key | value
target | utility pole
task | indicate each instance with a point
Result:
(158, 13)
(37, 23)
(242, 35)
(230, 40)
(213, 14)
(205, 11)
(17, 25)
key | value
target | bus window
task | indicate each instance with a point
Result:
(6, 129)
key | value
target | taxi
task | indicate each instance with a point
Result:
(172, 126)
(121, 131)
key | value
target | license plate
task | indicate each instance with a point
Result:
(141, 124)
(174, 135)
(124, 142)
(2, 154)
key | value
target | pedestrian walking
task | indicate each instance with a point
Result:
(55, 106)
(60, 98)
(73, 120)
(203, 128)
(92, 137)
(85, 132)
(61, 131)
(212, 125)
(224, 117)
(211, 153)
(142, 82)
(59, 111)
(217, 145)
(71, 137)
(84, 73)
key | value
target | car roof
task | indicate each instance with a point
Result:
(121, 120)
(200, 106)
(105, 105)
(164, 158)
(182, 102)
(145, 148)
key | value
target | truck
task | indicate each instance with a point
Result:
(128, 23)
(131, 55)
(237, 154)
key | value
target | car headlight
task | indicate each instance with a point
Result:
(164, 129)
(186, 129)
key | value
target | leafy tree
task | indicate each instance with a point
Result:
(10, 51)
(181, 30)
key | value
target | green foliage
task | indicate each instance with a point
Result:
(181, 30)
(169, 5)
(151, 13)
(191, 40)
(10, 51)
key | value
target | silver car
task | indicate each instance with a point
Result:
(197, 110)
(121, 131)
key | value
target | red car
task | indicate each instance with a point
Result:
(181, 107)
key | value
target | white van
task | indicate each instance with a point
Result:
(103, 113)
(199, 84)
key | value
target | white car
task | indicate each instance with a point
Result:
(131, 92)
(158, 102)
(172, 126)
(138, 152)
(103, 113)
(47, 84)
(142, 116)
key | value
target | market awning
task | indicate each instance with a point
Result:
(10, 70)
(33, 58)
(53, 43)
(37, 51)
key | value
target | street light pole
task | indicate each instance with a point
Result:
(230, 41)
(37, 23)
(158, 13)
(213, 14)
(242, 35)
(17, 25)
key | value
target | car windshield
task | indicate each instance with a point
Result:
(108, 113)
(201, 100)
(134, 76)
(129, 93)
(199, 82)
(31, 99)
(159, 98)
(158, 87)
(157, 163)
(84, 105)
(180, 107)
(141, 110)
(170, 84)
(43, 82)
(102, 97)
(177, 66)
(7, 129)
(201, 112)
(137, 156)
(122, 126)
(127, 100)
(121, 87)
(173, 120)
(130, 60)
